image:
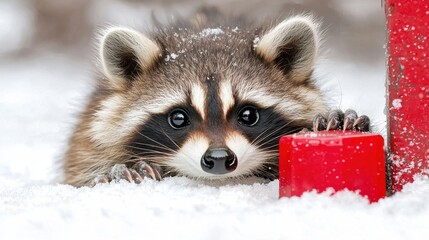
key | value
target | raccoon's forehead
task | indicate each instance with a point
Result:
(222, 54)
(208, 48)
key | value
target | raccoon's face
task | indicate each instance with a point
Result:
(210, 103)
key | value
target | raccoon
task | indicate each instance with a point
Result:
(207, 99)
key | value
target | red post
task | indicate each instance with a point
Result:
(408, 88)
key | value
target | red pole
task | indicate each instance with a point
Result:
(408, 89)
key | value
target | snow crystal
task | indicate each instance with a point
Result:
(397, 103)
(211, 31)
(170, 57)
(173, 56)
(256, 41)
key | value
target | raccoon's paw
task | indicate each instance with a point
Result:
(339, 120)
(147, 170)
(136, 173)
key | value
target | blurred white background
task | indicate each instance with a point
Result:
(47, 61)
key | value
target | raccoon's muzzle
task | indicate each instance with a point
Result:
(219, 161)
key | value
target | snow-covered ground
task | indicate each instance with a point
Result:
(38, 104)
(40, 94)
(179, 208)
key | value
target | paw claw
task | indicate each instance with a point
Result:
(335, 120)
(158, 172)
(136, 176)
(119, 172)
(362, 123)
(332, 124)
(350, 117)
(100, 180)
(319, 123)
(147, 170)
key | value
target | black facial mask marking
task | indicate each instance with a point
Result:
(158, 138)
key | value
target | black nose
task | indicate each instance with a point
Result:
(219, 161)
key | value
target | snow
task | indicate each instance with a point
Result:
(211, 31)
(256, 41)
(173, 56)
(179, 208)
(397, 103)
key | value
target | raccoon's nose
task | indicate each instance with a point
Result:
(219, 161)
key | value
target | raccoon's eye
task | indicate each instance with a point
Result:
(178, 118)
(248, 116)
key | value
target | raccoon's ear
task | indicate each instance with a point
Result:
(126, 53)
(291, 46)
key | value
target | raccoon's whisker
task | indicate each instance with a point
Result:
(158, 161)
(276, 138)
(148, 154)
(155, 146)
(271, 147)
(257, 137)
(266, 129)
(168, 173)
(268, 135)
(147, 150)
(174, 142)
(153, 156)
(150, 157)
(275, 131)
(160, 145)
(134, 158)
(271, 151)
(141, 134)
(264, 171)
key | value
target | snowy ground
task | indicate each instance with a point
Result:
(40, 94)
(182, 209)
(37, 107)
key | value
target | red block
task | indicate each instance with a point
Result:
(332, 159)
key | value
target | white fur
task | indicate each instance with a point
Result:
(286, 106)
(162, 100)
(198, 99)
(188, 158)
(103, 127)
(111, 124)
(249, 157)
(226, 96)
